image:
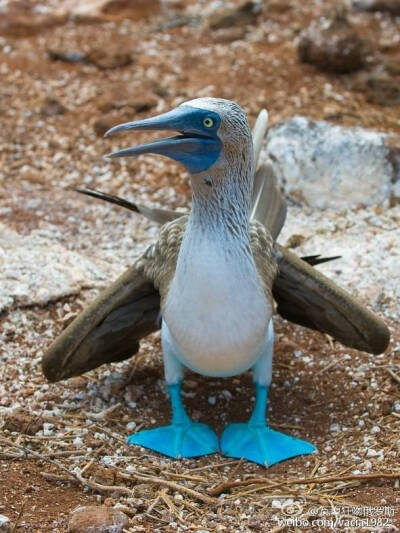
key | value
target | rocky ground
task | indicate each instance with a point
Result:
(69, 71)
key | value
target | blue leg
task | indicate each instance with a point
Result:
(183, 437)
(255, 441)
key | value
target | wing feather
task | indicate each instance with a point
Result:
(108, 330)
(307, 297)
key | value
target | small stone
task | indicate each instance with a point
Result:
(128, 100)
(226, 394)
(99, 519)
(104, 123)
(331, 43)
(68, 56)
(5, 524)
(109, 58)
(381, 89)
(391, 6)
(371, 453)
(52, 108)
(229, 35)
(104, 10)
(22, 421)
(245, 12)
(279, 6)
(78, 382)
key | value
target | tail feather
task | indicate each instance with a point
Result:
(318, 260)
(161, 216)
(269, 206)
(259, 131)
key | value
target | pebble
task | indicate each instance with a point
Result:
(382, 89)
(109, 57)
(99, 519)
(391, 6)
(229, 35)
(5, 524)
(331, 43)
(52, 107)
(22, 421)
(245, 12)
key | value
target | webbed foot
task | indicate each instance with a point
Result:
(185, 439)
(261, 444)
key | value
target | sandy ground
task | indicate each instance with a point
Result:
(344, 401)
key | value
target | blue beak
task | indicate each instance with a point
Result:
(195, 148)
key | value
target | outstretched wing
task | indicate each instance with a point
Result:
(307, 297)
(109, 330)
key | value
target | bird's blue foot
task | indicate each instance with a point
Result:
(182, 438)
(261, 444)
(187, 439)
(257, 442)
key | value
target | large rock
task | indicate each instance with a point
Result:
(97, 519)
(35, 269)
(323, 165)
(331, 43)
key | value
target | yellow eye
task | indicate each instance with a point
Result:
(208, 122)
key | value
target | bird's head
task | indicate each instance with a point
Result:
(211, 133)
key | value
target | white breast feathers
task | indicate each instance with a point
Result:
(216, 310)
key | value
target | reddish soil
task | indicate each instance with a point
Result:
(45, 149)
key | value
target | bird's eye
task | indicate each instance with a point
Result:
(208, 122)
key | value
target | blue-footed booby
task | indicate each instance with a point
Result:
(214, 276)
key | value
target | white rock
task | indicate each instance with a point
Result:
(35, 269)
(5, 524)
(325, 165)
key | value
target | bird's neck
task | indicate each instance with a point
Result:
(222, 201)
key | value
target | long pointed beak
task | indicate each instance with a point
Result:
(174, 120)
(192, 148)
